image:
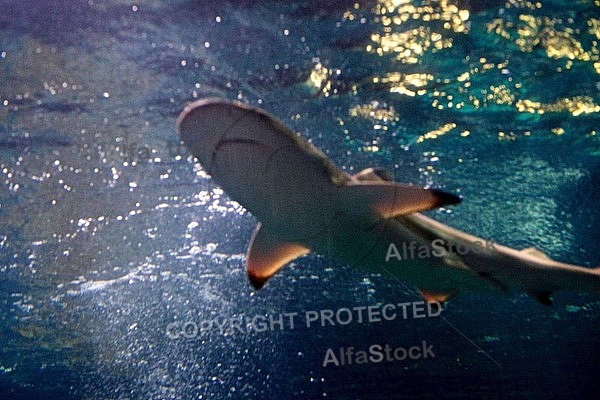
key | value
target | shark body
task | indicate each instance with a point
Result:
(305, 203)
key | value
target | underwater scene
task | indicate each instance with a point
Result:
(123, 260)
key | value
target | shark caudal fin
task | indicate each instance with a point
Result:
(267, 254)
(567, 277)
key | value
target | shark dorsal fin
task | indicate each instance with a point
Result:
(391, 199)
(267, 254)
(534, 251)
(373, 174)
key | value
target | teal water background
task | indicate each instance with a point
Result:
(108, 234)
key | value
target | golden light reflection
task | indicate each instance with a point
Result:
(411, 43)
(375, 112)
(319, 78)
(349, 14)
(410, 32)
(442, 130)
(551, 34)
(408, 84)
(577, 105)
(326, 81)
(379, 114)
(594, 25)
(507, 135)
(494, 95)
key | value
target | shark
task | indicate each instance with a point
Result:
(305, 203)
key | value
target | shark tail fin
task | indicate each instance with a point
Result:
(267, 254)
(543, 296)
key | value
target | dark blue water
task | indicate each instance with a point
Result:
(110, 238)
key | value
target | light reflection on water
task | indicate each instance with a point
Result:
(99, 251)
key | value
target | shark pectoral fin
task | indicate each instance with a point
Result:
(440, 297)
(267, 254)
(390, 199)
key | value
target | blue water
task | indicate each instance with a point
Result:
(109, 236)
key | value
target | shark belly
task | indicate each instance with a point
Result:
(285, 198)
(304, 203)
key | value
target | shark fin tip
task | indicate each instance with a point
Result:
(445, 198)
(543, 297)
(391, 199)
(267, 254)
(440, 297)
(257, 282)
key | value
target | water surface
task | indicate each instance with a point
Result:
(110, 234)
